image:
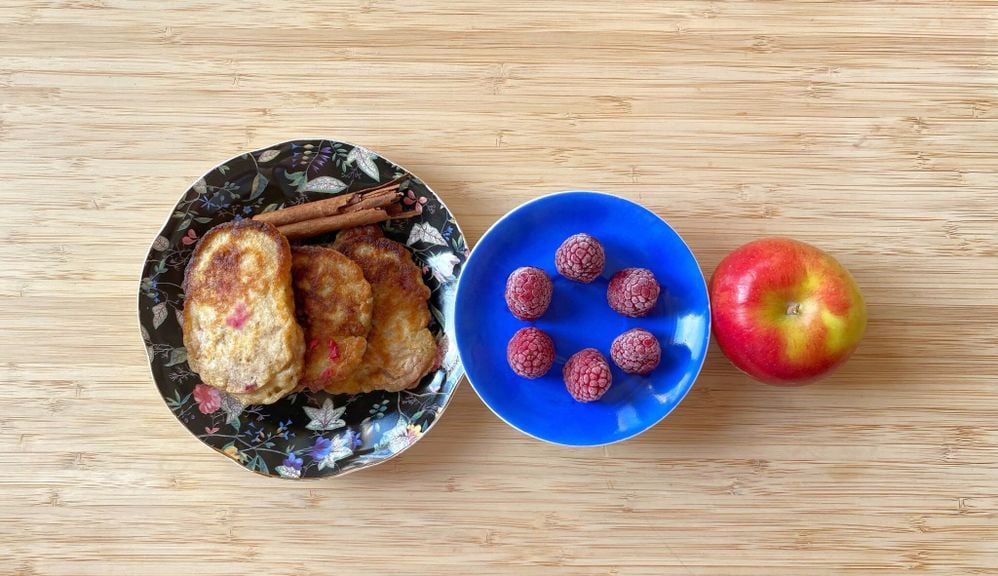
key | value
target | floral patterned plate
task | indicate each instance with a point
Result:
(305, 434)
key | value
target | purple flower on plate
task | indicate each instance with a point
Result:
(284, 430)
(351, 439)
(292, 461)
(321, 448)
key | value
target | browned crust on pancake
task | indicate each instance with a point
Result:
(333, 303)
(381, 269)
(230, 263)
(215, 287)
(369, 231)
(400, 348)
(305, 267)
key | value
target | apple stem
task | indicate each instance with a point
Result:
(793, 309)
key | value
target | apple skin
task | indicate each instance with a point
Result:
(784, 312)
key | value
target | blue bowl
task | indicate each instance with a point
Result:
(579, 317)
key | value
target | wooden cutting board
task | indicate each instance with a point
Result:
(867, 128)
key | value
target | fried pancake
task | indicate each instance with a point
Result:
(367, 231)
(333, 304)
(239, 313)
(400, 348)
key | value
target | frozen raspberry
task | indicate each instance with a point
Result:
(636, 351)
(587, 375)
(633, 291)
(530, 352)
(528, 293)
(580, 258)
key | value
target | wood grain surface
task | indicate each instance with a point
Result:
(868, 128)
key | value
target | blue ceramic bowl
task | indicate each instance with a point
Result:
(579, 317)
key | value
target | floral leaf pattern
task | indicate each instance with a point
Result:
(364, 160)
(158, 314)
(442, 264)
(233, 408)
(160, 243)
(325, 184)
(288, 472)
(402, 435)
(259, 184)
(305, 434)
(423, 232)
(177, 356)
(339, 449)
(268, 155)
(325, 418)
(297, 179)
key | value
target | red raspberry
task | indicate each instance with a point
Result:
(633, 291)
(636, 351)
(580, 258)
(528, 293)
(530, 352)
(587, 375)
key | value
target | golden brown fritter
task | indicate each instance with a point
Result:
(369, 231)
(400, 348)
(238, 322)
(333, 304)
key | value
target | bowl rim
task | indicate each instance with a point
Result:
(707, 334)
(152, 376)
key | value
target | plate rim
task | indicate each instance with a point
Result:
(152, 376)
(707, 334)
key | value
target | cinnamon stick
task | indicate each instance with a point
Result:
(309, 211)
(374, 200)
(379, 190)
(316, 226)
(330, 206)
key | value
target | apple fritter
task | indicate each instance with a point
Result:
(333, 304)
(239, 314)
(400, 347)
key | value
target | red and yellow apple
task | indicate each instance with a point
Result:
(784, 312)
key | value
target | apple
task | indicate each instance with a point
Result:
(784, 312)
